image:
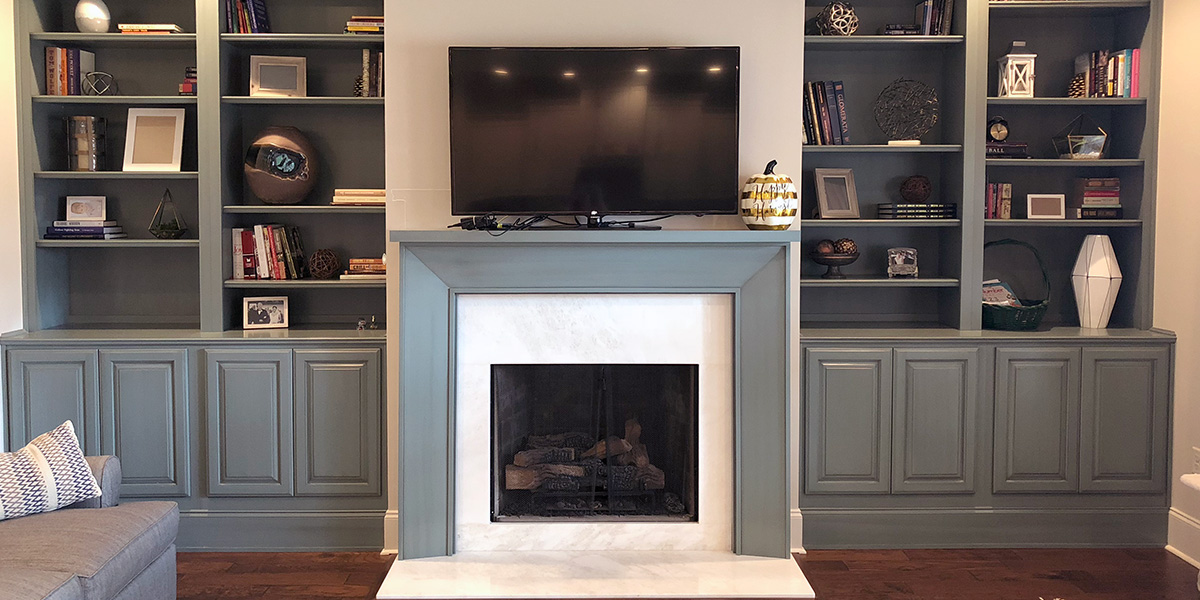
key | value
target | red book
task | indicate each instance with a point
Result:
(249, 262)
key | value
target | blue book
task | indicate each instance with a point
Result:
(52, 229)
(834, 122)
(839, 93)
(259, 9)
(85, 236)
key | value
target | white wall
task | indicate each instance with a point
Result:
(10, 233)
(1177, 275)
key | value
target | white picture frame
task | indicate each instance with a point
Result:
(85, 208)
(265, 312)
(279, 76)
(154, 139)
(837, 196)
(1045, 206)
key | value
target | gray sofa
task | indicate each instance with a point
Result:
(92, 550)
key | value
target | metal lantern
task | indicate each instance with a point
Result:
(1016, 73)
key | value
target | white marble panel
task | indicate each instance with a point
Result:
(593, 328)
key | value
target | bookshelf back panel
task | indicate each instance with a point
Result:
(59, 15)
(877, 177)
(329, 72)
(877, 307)
(332, 308)
(131, 286)
(1061, 180)
(131, 203)
(51, 138)
(350, 236)
(873, 246)
(315, 16)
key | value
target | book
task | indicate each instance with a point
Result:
(149, 28)
(988, 201)
(814, 116)
(275, 233)
(835, 126)
(236, 253)
(111, 229)
(297, 245)
(229, 10)
(85, 223)
(264, 17)
(998, 293)
(1095, 212)
(826, 127)
(1005, 201)
(289, 261)
(363, 276)
(249, 255)
(1135, 74)
(85, 236)
(260, 253)
(358, 201)
(52, 71)
(947, 17)
(839, 94)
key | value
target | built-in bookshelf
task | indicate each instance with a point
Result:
(144, 282)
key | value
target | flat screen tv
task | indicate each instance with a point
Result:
(594, 131)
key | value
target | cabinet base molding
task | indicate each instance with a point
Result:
(270, 531)
(984, 528)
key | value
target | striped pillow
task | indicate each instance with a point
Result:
(46, 475)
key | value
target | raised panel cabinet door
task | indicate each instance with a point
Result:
(934, 399)
(144, 419)
(337, 415)
(249, 409)
(47, 387)
(1124, 421)
(1036, 445)
(848, 412)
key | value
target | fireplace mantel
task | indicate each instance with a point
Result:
(435, 266)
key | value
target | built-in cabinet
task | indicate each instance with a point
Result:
(144, 419)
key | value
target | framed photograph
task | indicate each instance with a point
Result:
(837, 197)
(154, 139)
(85, 208)
(1046, 206)
(285, 76)
(265, 312)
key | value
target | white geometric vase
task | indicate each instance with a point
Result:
(1096, 278)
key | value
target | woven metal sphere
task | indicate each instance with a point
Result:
(916, 189)
(837, 18)
(324, 264)
(906, 109)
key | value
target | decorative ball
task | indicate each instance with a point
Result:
(825, 247)
(98, 83)
(324, 264)
(837, 18)
(906, 109)
(281, 166)
(845, 246)
(92, 16)
(916, 189)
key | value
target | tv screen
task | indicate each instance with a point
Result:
(569, 131)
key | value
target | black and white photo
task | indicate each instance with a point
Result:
(267, 312)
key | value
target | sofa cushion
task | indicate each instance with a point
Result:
(105, 547)
(31, 584)
(47, 474)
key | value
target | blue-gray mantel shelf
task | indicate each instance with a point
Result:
(754, 266)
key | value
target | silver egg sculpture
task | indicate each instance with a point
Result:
(92, 16)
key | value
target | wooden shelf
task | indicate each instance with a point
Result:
(123, 243)
(859, 281)
(302, 283)
(306, 101)
(880, 223)
(117, 100)
(300, 209)
(118, 175)
(1076, 223)
(1075, 102)
(116, 39)
(882, 42)
(1064, 162)
(1045, 8)
(853, 148)
(294, 40)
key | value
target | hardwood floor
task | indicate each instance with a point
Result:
(834, 574)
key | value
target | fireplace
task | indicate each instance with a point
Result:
(594, 442)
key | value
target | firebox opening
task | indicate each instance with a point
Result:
(594, 442)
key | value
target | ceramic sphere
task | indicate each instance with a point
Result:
(92, 16)
(281, 166)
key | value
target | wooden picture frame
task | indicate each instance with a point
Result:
(1045, 206)
(279, 76)
(154, 139)
(265, 312)
(837, 197)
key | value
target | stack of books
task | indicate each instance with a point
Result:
(825, 114)
(85, 230)
(372, 75)
(360, 25)
(359, 197)
(1096, 198)
(900, 210)
(65, 69)
(268, 252)
(247, 16)
(998, 202)
(149, 28)
(188, 87)
(1114, 74)
(900, 29)
(933, 17)
(366, 269)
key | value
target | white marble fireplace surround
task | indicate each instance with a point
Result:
(593, 329)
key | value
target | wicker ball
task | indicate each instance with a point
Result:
(324, 264)
(916, 189)
(837, 18)
(845, 246)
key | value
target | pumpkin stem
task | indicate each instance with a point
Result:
(770, 170)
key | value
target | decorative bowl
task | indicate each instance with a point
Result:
(834, 262)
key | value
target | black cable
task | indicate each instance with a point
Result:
(641, 221)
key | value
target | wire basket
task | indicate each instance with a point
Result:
(1018, 318)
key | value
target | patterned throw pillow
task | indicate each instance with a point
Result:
(46, 475)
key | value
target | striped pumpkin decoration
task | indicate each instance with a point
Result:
(769, 200)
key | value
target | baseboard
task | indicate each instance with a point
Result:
(271, 531)
(984, 528)
(1183, 533)
(391, 532)
(797, 526)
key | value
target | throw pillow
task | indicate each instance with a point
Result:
(45, 475)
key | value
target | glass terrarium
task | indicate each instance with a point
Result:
(167, 223)
(1082, 139)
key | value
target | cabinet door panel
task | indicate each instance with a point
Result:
(337, 417)
(1123, 426)
(144, 418)
(1037, 425)
(935, 394)
(47, 387)
(249, 398)
(848, 408)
